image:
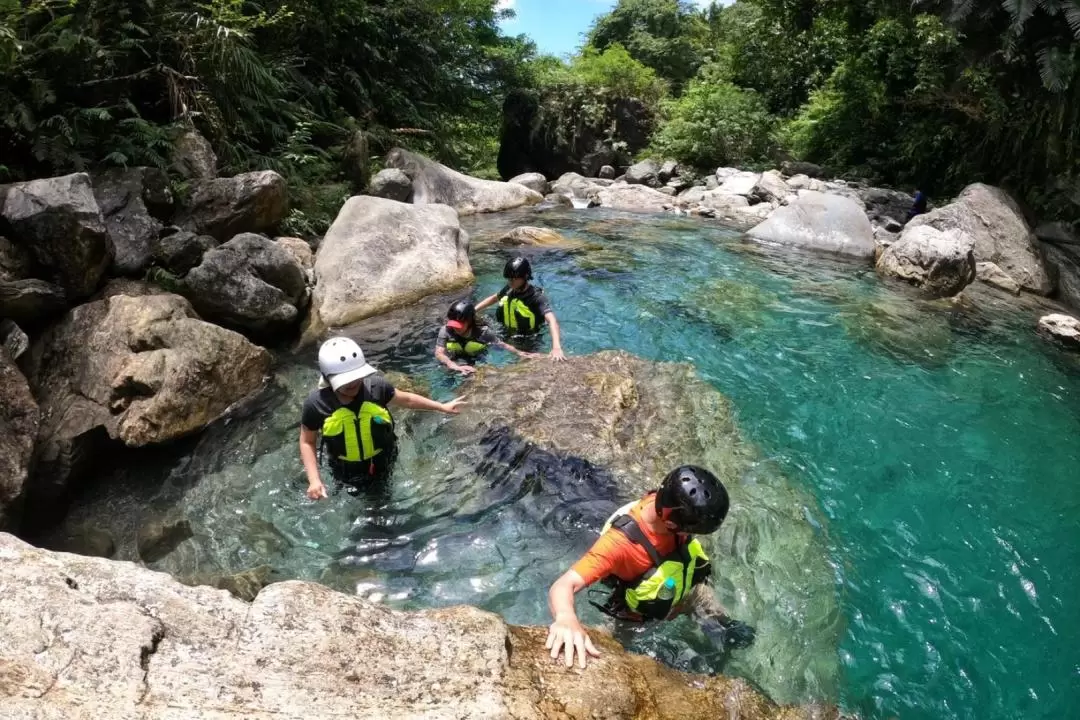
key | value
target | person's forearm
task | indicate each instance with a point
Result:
(442, 357)
(510, 348)
(487, 302)
(309, 458)
(561, 600)
(704, 604)
(417, 402)
(556, 338)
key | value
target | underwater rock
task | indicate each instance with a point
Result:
(92, 638)
(898, 328)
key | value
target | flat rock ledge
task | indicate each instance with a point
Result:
(92, 638)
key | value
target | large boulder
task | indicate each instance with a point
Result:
(1062, 329)
(1002, 236)
(741, 183)
(817, 221)
(940, 263)
(436, 184)
(770, 188)
(15, 261)
(991, 274)
(59, 222)
(533, 181)
(380, 254)
(646, 172)
(884, 205)
(1064, 260)
(633, 198)
(574, 185)
(193, 157)
(392, 184)
(637, 420)
(19, 419)
(140, 370)
(178, 252)
(250, 284)
(795, 167)
(134, 202)
(225, 207)
(94, 638)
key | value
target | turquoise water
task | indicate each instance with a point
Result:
(940, 446)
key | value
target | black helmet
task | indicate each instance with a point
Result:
(696, 498)
(519, 267)
(462, 310)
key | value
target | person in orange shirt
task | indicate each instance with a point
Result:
(655, 567)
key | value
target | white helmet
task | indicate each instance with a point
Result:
(342, 361)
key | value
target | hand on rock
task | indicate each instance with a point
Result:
(568, 636)
(316, 492)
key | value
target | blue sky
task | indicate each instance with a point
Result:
(558, 26)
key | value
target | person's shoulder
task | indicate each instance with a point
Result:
(377, 380)
(320, 396)
(503, 292)
(444, 332)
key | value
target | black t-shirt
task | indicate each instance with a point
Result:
(322, 403)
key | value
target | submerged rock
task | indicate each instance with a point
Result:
(140, 370)
(899, 328)
(19, 418)
(638, 419)
(436, 184)
(817, 221)
(380, 254)
(88, 637)
(538, 237)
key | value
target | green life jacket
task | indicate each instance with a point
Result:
(457, 345)
(637, 601)
(518, 314)
(357, 437)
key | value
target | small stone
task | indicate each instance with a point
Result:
(1063, 329)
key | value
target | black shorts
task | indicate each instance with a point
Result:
(359, 476)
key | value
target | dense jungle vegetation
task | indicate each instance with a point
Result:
(928, 93)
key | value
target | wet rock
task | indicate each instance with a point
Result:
(88, 637)
(646, 172)
(15, 261)
(88, 541)
(900, 329)
(538, 237)
(533, 181)
(939, 263)
(634, 198)
(132, 201)
(1064, 262)
(1002, 236)
(730, 304)
(139, 370)
(225, 207)
(606, 173)
(59, 222)
(380, 254)
(392, 184)
(180, 251)
(160, 536)
(434, 183)
(31, 303)
(795, 167)
(991, 274)
(247, 584)
(555, 200)
(251, 284)
(575, 185)
(19, 419)
(638, 419)
(193, 157)
(1062, 329)
(816, 221)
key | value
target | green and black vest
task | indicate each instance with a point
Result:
(520, 315)
(357, 441)
(463, 347)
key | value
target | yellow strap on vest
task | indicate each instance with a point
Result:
(512, 308)
(471, 347)
(344, 422)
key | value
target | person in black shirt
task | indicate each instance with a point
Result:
(461, 341)
(351, 410)
(523, 307)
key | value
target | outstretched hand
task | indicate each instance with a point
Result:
(730, 634)
(567, 636)
(453, 407)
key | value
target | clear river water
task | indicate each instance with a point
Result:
(937, 446)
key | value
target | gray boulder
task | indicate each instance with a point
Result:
(31, 303)
(13, 340)
(380, 254)
(225, 207)
(94, 638)
(533, 181)
(572, 184)
(668, 170)
(646, 172)
(140, 370)
(770, 188)
(251, 284)
(741, 183)
(607, 172)
(299, 249)
(940, 263)
(885, 207)
(1001, 234)
(633, 198)
(817, 221)
(19, 420)
(1064, 261)
(193, 157)
(436, 184)
(59, 222)
(15, 261)
(795, 167)
(133, 202)
(1062, 329)
(991, 274)
(180, 251)
(392, 184)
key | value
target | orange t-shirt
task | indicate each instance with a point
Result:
(615, 554)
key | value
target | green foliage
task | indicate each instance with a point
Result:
(714, 123)
(615, 73)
